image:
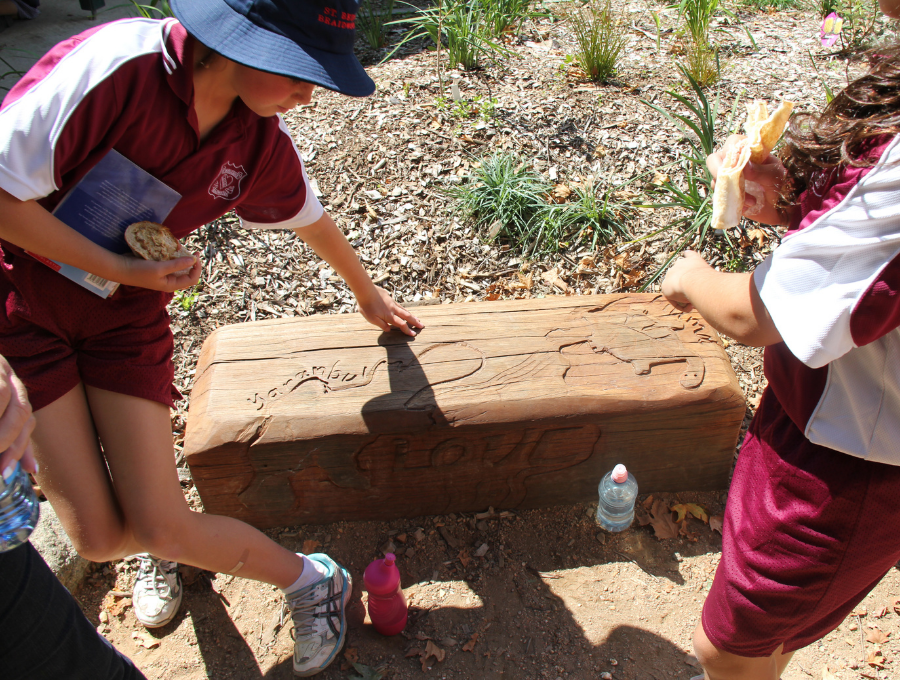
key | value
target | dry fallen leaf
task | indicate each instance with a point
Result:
(145, 640)
(875, 658)
(526, 281)
(686, 529)
(432, 649)
(661, 521)
(470, 645)
(118, 607)
(561, 192)
(496, 226)
(757, 235)
(351, 656)
(464, 557)
(698, 511)
(632, 278)
(880, 613)
(552, 277)
(310, 545)
(715, 523)
(877, 636)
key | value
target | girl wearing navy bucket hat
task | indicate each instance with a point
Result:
(195, 101)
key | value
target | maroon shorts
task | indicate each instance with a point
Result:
(808, 532)
(55, 334)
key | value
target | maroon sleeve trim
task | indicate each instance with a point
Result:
(878, 311)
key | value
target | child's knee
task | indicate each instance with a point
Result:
(102, 546)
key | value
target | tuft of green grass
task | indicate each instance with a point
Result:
(601, 36)
(777, 5)
(593, 218)
(462, 29)
(508, 201)
(701, 61)
(505, 199)
(372, 22)
(185, 298)
(506, 16)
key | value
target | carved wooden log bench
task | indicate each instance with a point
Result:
(512, 404)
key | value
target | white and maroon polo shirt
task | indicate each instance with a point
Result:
(833, 290)
(128, 85)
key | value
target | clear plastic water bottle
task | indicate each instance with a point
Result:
(387, 605)
(617, 492)
(19, 509)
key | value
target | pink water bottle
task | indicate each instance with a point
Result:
(387, 606)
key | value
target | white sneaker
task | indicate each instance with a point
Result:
(318, 613)
(156, 596)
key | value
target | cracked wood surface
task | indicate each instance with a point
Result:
(512, 404)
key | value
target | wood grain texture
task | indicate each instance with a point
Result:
(512, 404)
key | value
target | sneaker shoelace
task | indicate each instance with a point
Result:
(304, 614)
(152, 572)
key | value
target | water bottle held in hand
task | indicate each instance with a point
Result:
(19, 508)
(615, 507)
(387, 606)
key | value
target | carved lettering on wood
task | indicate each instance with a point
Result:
(513, 404)
(637, 338)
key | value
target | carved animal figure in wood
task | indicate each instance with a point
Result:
(645, 341)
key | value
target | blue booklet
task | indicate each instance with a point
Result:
(112, 195)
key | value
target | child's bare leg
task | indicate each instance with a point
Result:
(720, 665)
(74, 477)
(137, 440)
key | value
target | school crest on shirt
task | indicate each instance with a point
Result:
(227, 183)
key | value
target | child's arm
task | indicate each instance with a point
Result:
(29, 226)
(375, 304)
(729, 302)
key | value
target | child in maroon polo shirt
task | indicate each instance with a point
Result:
(811, 523)
(196, 103)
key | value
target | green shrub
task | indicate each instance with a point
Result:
(601, 36)
(372, 22)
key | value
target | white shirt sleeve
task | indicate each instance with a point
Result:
(812, 282)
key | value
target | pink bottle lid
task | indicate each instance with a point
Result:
(381, 576)
(619, 474)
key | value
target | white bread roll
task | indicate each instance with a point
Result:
(153, 241)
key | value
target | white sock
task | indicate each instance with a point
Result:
(312, 573)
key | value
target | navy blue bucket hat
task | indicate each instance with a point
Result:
(310, 40)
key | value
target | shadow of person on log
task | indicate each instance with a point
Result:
(410, 405)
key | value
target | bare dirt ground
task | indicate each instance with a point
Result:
(537, 594)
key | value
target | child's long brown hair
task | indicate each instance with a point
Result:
(869, 107)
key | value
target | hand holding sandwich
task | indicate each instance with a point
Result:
(763, 184)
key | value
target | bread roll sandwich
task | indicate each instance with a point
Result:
(763, 132)
(153, 241)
